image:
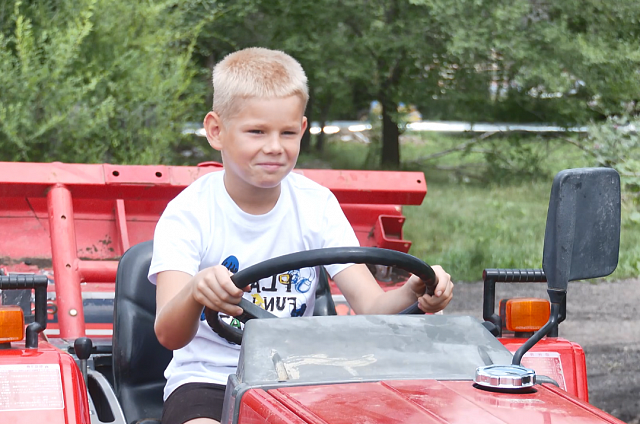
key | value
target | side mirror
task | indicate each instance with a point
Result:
(582, 237)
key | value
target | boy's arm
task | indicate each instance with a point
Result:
(180, 299)
(365, 296)
(177, 312)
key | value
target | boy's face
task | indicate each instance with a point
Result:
(260, 143)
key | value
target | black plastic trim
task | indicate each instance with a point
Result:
(39, 284)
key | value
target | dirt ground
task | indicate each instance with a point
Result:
(604, 319)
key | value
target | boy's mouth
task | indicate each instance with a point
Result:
(271, 166)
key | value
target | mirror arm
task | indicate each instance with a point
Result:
(556, 297)
(563, 310)
(561, 317)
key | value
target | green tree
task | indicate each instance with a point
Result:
(428, 52)
(594, 43)
(94, 80)
(306, 30)
(556, 62)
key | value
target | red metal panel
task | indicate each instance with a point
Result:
(378, 187)
(75, 404)
(165, 182)
(431, 401)
(359, 403)
(133, 174)
(577, 401)
(558, 358)
(363, 219)
(121, 223)
(388, 233)
(453, 400)
(259, 408)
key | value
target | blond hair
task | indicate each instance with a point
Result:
(256, 72)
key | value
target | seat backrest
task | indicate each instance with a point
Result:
(139, 360)
(324, 301)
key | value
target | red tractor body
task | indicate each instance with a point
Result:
(73, 222)
(414, 401)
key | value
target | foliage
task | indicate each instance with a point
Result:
(93, 81)
(516, 158)
(469, 226)
(417, 52)
(519, 61)
(616, 144)
(582, 53)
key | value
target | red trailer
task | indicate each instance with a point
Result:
(64, 232)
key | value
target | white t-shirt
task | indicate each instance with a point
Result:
(203, 227)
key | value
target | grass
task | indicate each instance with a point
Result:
(477, 217)
(468, 228)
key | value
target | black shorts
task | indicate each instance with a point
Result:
(193, 400)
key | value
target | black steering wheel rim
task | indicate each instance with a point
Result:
(312, 258)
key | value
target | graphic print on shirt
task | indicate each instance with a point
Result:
(231, 263)
(302, 279)
(300, 311)
(297, 282)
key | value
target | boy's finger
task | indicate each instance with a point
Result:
(225, 282)
(213, 301)
(449, 290)
(421, 305)
(227, 292)
(443, 283)
(206, 296)
(231, 310)
(221, 301)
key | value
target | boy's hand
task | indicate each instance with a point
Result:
(212, 287)
(442, 294)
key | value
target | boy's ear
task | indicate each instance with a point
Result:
(304, 124)
(213, 127)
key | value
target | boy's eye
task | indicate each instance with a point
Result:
(289, 133)
(255, 131)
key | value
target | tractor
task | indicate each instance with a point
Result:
(77, 343)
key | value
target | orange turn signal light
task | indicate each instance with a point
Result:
(525, 315)
(11, 324)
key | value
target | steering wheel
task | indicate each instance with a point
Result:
(312, 258)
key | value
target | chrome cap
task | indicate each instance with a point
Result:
(505, 377)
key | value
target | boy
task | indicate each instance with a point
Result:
(254, 210)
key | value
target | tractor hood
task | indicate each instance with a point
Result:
(432, 401)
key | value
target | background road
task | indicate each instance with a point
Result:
(603, 318)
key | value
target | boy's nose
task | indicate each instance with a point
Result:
(273, 145)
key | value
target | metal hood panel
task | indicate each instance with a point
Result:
(431, 401)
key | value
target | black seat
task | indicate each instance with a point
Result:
(139, 360)
(324, 302)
